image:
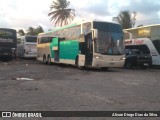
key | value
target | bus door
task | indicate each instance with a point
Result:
(55, 49)
(89, 49)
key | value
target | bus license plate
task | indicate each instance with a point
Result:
(111, 63)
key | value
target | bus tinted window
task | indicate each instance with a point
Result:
(107, 27)
(143, 48)
(8, 37)
(4, 33)
(31, 39)
(45, 40)
(110, 38)
(156, 43)
(8, 43)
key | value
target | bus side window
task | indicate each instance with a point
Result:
(50, 39)
(41, 41)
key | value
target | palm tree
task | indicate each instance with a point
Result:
(34, 31)
(60, 13)
(126, 19)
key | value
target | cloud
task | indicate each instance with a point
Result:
(147, 11)
(25, 13)
(144, 7)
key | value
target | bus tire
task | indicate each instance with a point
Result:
(44, 59)
(104, 68)
(49, 60)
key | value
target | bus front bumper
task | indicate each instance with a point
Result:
(30, 55)
(108, 63)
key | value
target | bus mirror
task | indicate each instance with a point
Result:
(95, 33)
(82, 38)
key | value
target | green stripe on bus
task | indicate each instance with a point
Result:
(69, 49)
(52, 51)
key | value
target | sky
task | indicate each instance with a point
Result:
(22, 14)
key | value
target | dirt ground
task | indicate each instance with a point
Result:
(29, 85)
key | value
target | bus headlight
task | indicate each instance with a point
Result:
(123, 58)
(98, 57)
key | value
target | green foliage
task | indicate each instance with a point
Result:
(60, 13)
(21, 32)
(31, 31)
(126, 19)
(34, 31)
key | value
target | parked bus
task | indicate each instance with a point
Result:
(88, 44)
(147, 39)
(8, 44)
(26, 47)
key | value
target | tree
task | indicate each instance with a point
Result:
(21, 32)
(126, 19)
(38, 30)
(60, 13)
(34, 31)
(31, 31)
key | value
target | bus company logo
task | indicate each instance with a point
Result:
(6, 114)
(144, 32)
(138, 42)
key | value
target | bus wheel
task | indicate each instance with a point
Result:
(44, 59)
(104, 68)
(49, 60)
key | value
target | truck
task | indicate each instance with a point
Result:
(136, 58)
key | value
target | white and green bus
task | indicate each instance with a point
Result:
(146, 39)
(87, 44)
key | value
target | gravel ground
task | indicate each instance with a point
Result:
(66, 88)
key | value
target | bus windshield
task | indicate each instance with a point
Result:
(110, 38)
(31, 39)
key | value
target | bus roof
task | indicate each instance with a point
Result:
(61, 28)
(27, 36)
(75, 24)
(7, 29)
(143, 27)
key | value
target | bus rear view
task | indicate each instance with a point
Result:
(8, 44)
(26, 47)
